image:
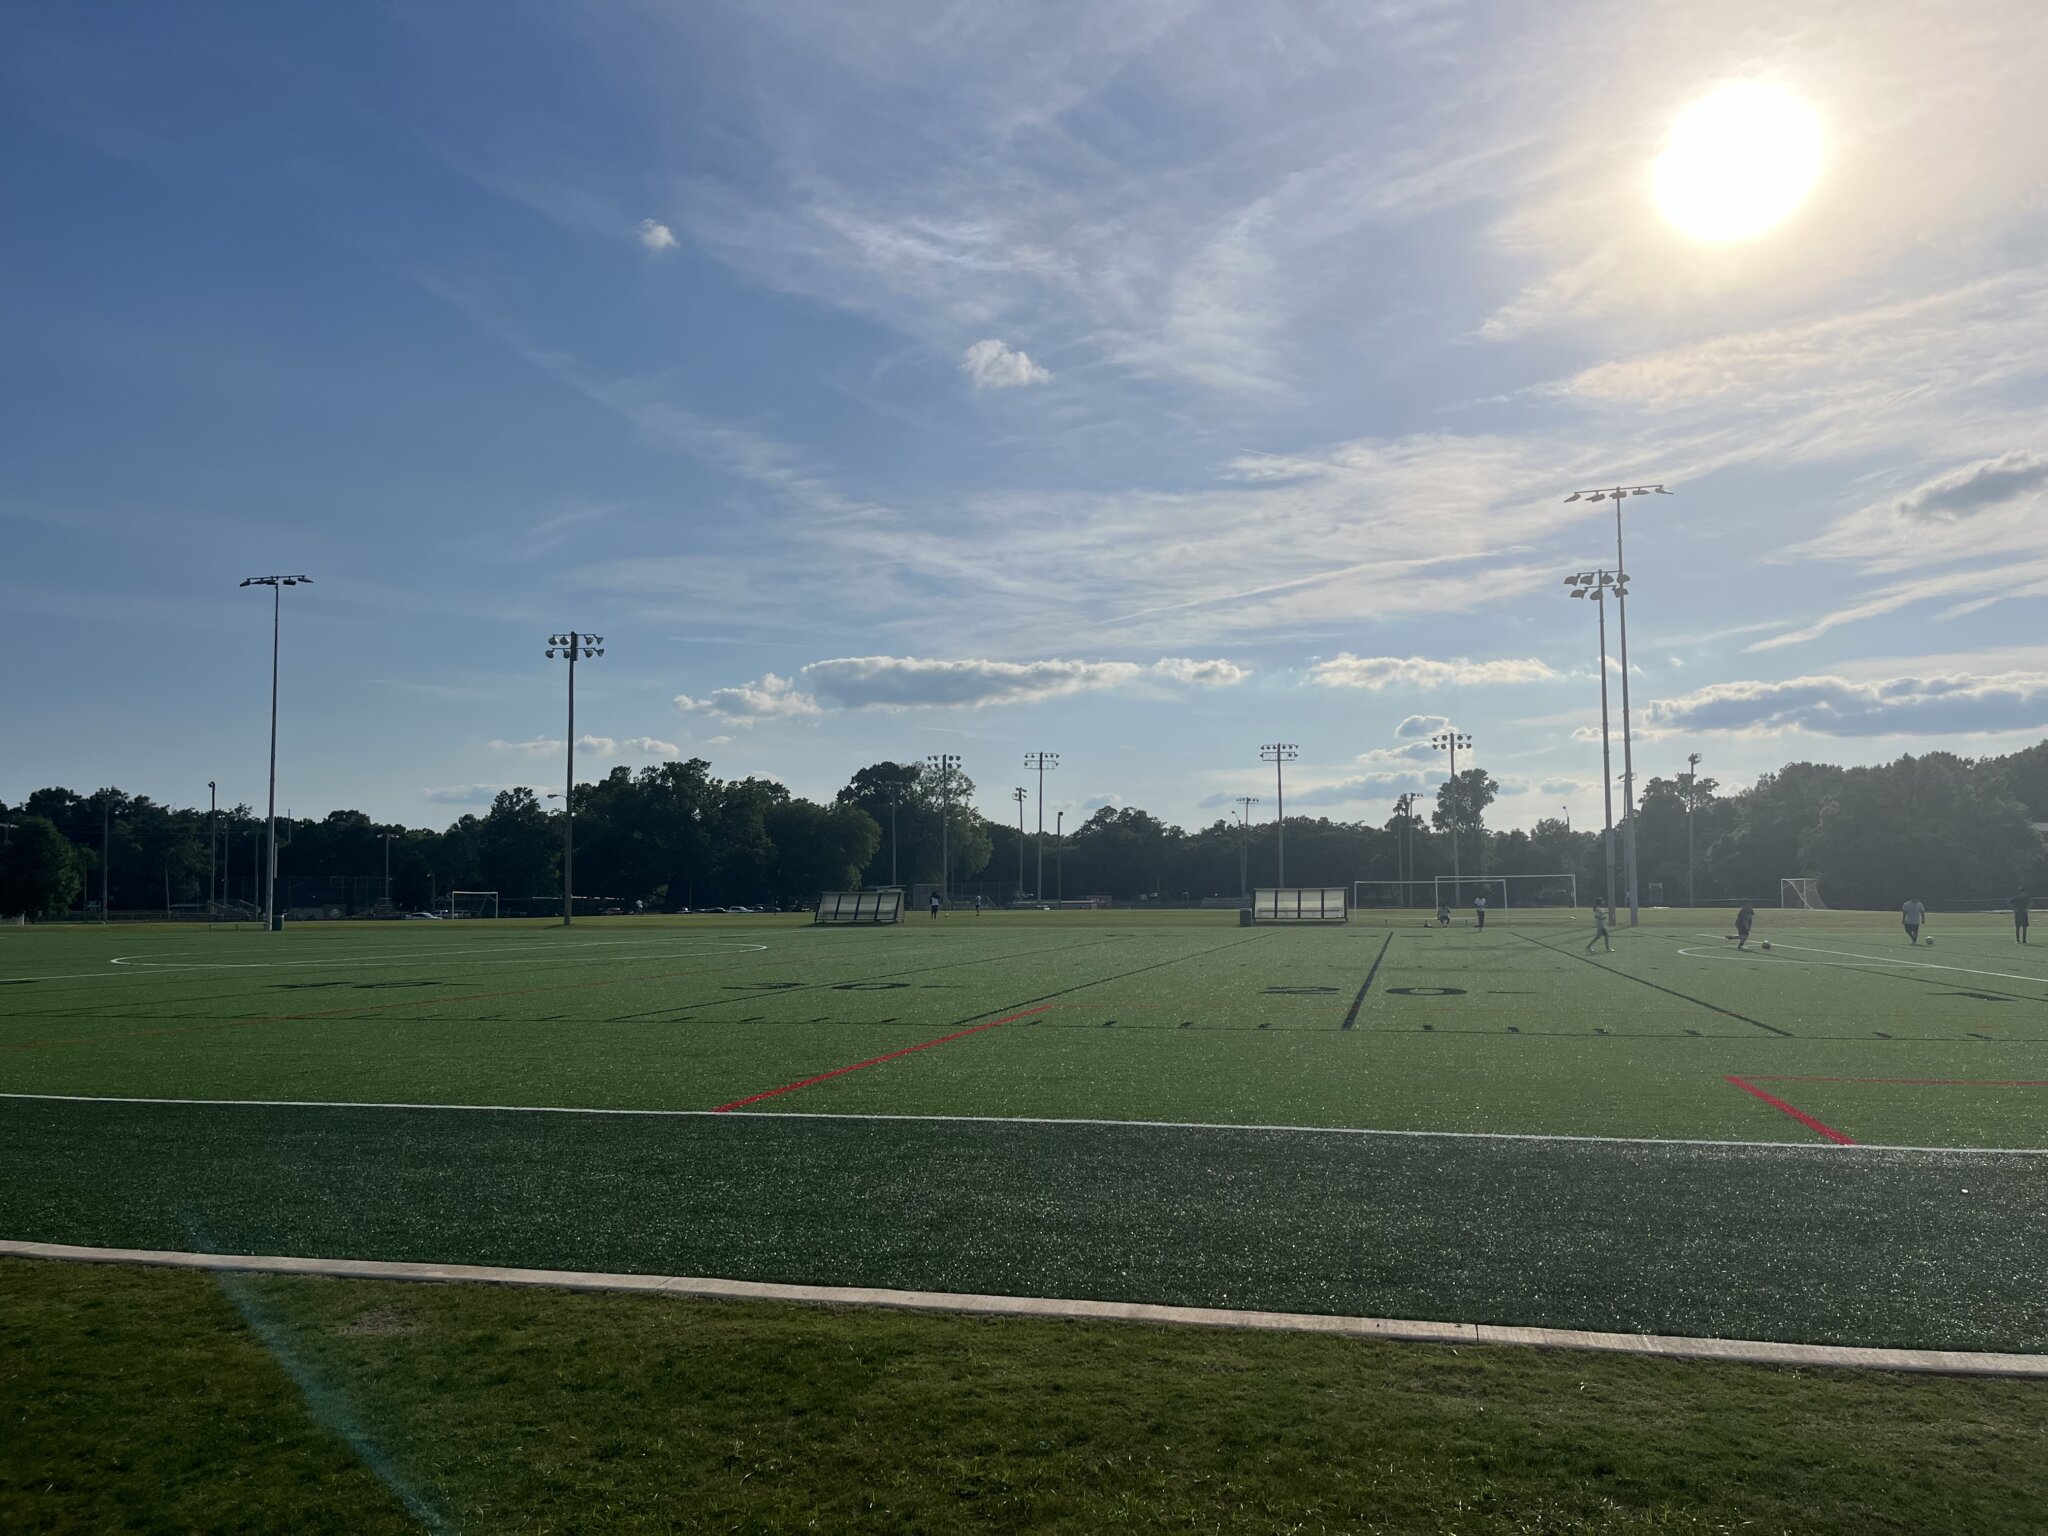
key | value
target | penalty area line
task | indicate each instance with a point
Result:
(1799, 1147)
(1800, 1115)
(1392, 1330)
(874, 1061)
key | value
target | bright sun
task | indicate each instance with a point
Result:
(1739, 161)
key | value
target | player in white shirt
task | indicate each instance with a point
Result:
(1913, 914)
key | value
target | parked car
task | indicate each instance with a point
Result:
(430, 917)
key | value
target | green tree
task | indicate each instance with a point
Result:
(519, 846)
(39, 870)
(819, 847)
(1461, 811)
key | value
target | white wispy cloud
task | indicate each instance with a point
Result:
(1840, 706)
(1382, 672)
(467, 794)
(918, 682)
(590, 746)
(992, 364)
(656, 236)
(771, 698)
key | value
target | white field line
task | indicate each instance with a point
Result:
(1825, 1149)
(1402, 1330)
(139, 965)
(1918, 965)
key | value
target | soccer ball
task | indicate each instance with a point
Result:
(1767, 943)
(1928, 942)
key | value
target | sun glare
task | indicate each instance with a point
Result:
(1739, 162)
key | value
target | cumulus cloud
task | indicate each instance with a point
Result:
(538, 746)
(466, 794)
(1381, 672)
(1975, 487)
(992, 364)
(1417, 727)
(590, 746)
(772, 698)
(1839, 706)
(656, 236)
(918, 682)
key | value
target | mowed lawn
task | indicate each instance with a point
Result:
(1836, 1141)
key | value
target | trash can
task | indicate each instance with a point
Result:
(1244, 917)
(277, 923)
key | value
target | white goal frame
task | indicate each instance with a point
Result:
(455, 896)
(1300, 904)
(1507, 884)
(876, 906)
(1801, 891)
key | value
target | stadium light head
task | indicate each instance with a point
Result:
(1575, 495)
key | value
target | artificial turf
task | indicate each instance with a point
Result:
(1385, 1025)
(144, 1400)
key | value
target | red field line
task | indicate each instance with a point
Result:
(1912, 1082)
(874, 1061)
(1797, 1114)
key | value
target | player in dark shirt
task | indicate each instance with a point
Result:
(2019, 918)
(1744, 920)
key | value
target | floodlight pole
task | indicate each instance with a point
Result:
(1595, 585)
(1059, 868)
(1628, 771)
(277, 584)
(1692, 790)
(1041, 761)
(895, 794)
(212, 842)
(1020, 794)
(386, 838)
(106, 850)
(1450, 741)
(570, 643)
(1244, 852)
(1279, 753)
(946, 763)
(1406, 807)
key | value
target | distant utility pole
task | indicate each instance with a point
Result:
(387, 838)
(212, 842)
(945, 764)
(1059, 868)
(1244, 846)
(571, 644)
(1595, 585)
(106, 851)
(1450, 741)
(895, 794)
(1692, 793)
(1616, 494)
(1020, 795)
(277, 584)
(1279, 753)
(1041, 761)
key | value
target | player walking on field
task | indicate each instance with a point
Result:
(1744, 921)
(1600, 930)
(1479, 908)
(935, 906)
(1913, 914)
(2019, 918)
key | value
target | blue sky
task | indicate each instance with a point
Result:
(1139, 382)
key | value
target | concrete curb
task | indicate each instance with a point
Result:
(1671, 1347)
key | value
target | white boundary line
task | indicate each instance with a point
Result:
(1825, 1149)
(139, 965)
(1668, 1346)
(1918, 965)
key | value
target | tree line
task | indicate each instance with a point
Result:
(1953, 831)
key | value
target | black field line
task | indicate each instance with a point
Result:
(1684, 997)
(1351, 1016)
(1807, 1148)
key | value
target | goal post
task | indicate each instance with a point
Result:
(1801, 891)
(473, 903)
(882, 906)
(1300, 904)
(1505, 891)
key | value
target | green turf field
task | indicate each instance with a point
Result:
(1839, 1140)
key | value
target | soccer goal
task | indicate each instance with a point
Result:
(1801, 891)
(472, 903)
(1367, 895)
(883, 906)
(1504, 891)
(1300, 904)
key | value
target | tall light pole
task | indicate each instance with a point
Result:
(1244, 852)
(212, 842)
(1616, 494)
(895, 795)
(106, 851)
(1059, 868)
(1596, 585)
(1450, 741)
(1041, 761)
(277, 584)
(1020, 794)
(1279, 753)
(571, 644)
(1405, 806)
(1692, 794)
(387, 838)
(946, 764)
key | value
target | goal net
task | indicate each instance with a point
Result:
(884, 906)
(1801, 891)
(472, 903)
(1504, 891)
(1369, 894)
(1299, 904)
